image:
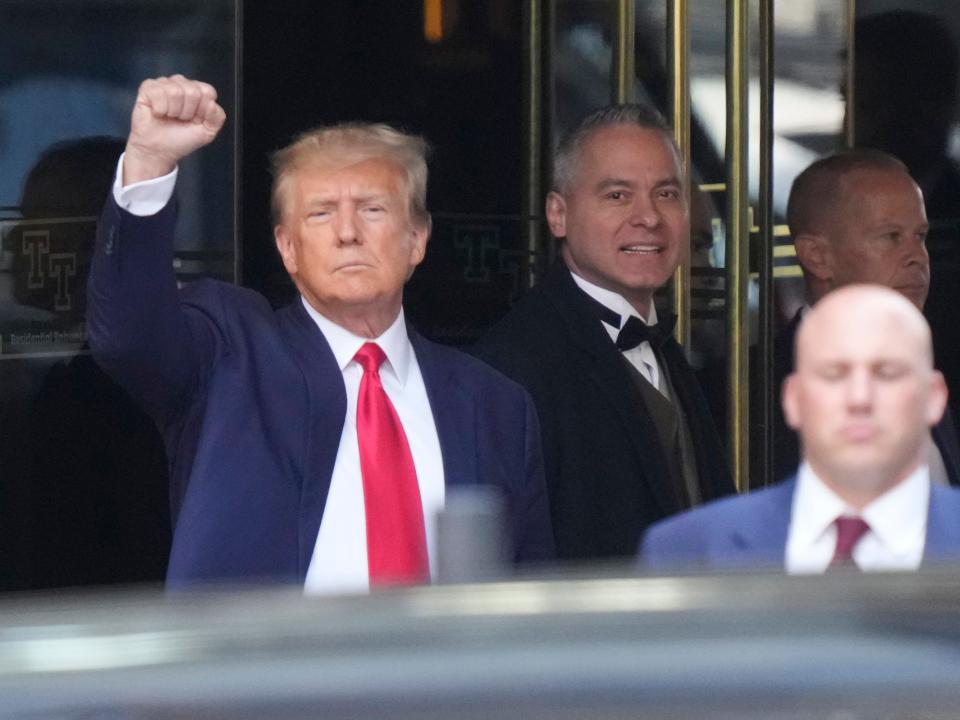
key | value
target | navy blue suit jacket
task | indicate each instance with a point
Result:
(251, 403)
(750, 532)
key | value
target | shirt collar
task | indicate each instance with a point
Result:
(344, 344)
(897, 517)
(614, 301)
(815, 507)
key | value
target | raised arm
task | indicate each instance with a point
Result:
(138, 330)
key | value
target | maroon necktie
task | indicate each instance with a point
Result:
(849, 532)
(396, 540)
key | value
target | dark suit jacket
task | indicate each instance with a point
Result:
(607, 476)
(750, 532)
(786, 455)
(252, 404)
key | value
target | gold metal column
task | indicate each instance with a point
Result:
(737, 241)
(624, 70)
(678, 61)
(535, 84)
(764, 374)
(850, 74)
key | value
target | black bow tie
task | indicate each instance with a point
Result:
(634, 331)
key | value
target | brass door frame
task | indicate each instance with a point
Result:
(624, 57)
(678, 60)
(538, 30)
(768, 394)
(737, 242)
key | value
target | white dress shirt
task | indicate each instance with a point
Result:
(641, 357)
(143, 198)
(897, 520)
(339, 561)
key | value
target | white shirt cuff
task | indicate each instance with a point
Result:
(143, 198)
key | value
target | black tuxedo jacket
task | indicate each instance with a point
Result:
(786, 453)
(607, 475)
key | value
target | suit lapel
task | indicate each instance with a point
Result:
(943, 525)
(454, 412)
(945, 436)
(608, 373)
(324, 426)
(761, 539)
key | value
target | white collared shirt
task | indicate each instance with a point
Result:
(339, 561)
(641, 357)
(897, 520)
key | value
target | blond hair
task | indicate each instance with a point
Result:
(351, 143)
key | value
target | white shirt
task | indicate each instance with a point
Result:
(641, 357)
(143, 198)
(339, 561)
(897, 520)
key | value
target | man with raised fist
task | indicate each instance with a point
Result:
(313, 444)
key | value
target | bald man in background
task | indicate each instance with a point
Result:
(862, 398)
(858, 217)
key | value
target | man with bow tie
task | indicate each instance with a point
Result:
(627, 437)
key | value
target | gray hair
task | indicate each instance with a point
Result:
(567, 155)
(355, 142)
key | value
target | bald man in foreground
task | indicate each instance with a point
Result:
(862, 398)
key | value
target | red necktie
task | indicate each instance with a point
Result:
(849, 532)
(396, 540)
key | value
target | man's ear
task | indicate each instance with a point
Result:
(420, 235)
(556, 209)
(285, 248)
(937, 403)
(789, 401)
(814, 254)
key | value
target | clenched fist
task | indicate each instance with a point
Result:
(172, 117)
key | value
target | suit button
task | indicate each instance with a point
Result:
(111, 242)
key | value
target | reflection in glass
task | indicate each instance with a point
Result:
(83, 495)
